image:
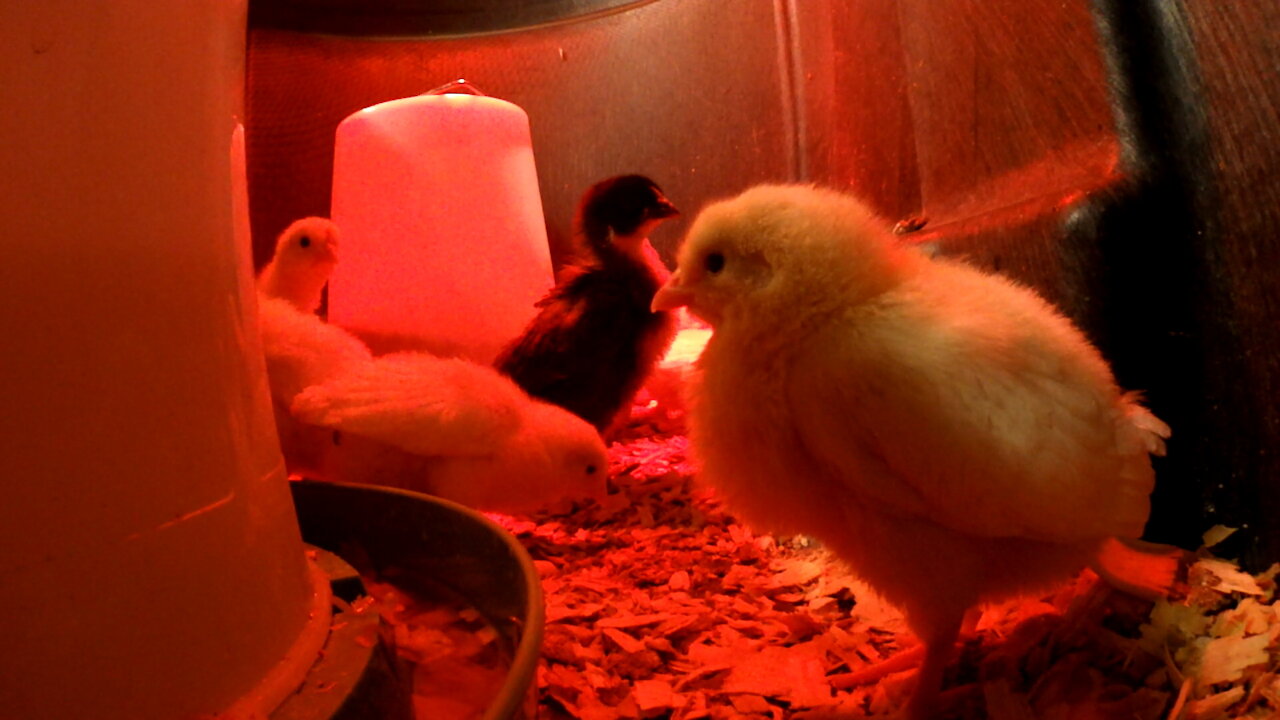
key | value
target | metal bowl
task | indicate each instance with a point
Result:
(426, 542)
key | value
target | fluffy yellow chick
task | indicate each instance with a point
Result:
(447, 427)
(442, 426)
(305, 255)
(302, 350)
(943, 429)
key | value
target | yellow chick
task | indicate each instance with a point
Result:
(302, 350)
(443, 426)
(943, 429)
(305, 255)
(446, 427)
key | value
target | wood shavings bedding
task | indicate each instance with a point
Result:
(450, 656)
(661, 605)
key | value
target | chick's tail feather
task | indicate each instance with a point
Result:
(1146, 570)
(1155, 429)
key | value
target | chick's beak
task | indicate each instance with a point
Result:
(663, 209)
(672, 295)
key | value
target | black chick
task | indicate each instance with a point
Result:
(595, 340)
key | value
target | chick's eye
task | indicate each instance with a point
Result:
(714, 262)
(305, 241)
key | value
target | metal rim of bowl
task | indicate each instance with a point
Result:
(322, 508)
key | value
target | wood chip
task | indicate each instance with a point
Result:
(632, 621)
(1213, 706)
(656, 696)
(625, 642)
(1224, 577)
(1217, 534)
(1225, 659)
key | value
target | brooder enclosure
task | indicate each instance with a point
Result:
(1120, 158)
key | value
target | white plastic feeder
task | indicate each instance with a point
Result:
(150, 561)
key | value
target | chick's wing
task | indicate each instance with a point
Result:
(419, 403)
(582, 332)
(1004, 425)
(535, 358)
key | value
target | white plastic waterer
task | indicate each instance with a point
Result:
(444, 241)
(150, 560)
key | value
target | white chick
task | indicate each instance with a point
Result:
(442, 426)
(944, 430)
(305, 255)
(450, 428)
(302, 350)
